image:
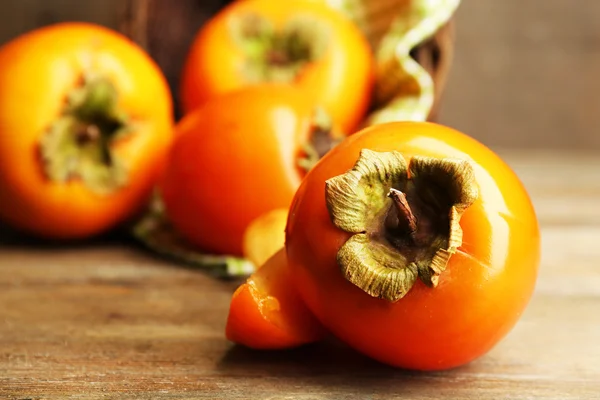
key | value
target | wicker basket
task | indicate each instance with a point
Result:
(405, 89)
(166, 28)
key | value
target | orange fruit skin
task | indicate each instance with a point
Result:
(37, 71)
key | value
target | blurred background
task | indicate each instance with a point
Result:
(524, 73)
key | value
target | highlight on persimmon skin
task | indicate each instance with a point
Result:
(267, 313)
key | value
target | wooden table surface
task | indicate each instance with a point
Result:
(108, 320)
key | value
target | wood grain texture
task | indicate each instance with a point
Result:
(107, 320)
(525, 73)
(166, 30)
(20, 16)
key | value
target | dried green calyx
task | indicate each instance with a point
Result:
(405, 219)
(277, 54)
(78, 144)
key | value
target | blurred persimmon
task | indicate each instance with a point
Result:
(85, 124)
(298, 42)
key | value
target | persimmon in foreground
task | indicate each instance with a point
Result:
(267, 313)
(414, 244)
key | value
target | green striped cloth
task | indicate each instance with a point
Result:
(155, 232)
(393, 28)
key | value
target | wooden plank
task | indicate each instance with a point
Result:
(18, 17)
(570, 257)
(522, 76)
(103, 320)
(166, 30)
(525, 73)
(564, 186)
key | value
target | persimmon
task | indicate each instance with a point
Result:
(264, 236)
(414, 244)
(266, 312)
(85, 124)
(237, 157)
(302, 43)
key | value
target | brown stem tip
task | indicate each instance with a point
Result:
(406, 217)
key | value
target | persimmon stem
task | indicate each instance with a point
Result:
(87, 134)
(322, 138)
(393, 245)
(405, 214)
(78, 144)
(278, 53)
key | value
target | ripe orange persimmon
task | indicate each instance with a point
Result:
(85, 123)
(414, 244)
(306, 44)
(265, 236)
(237, 157)
(266, 312)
